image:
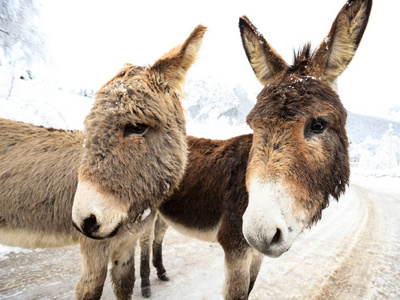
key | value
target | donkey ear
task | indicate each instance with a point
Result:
(170, 70)
(337, 50)
(264, 60)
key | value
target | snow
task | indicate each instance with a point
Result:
(38, 103)
(5, 250)
(392, 113)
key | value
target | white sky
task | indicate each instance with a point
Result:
(90, 40)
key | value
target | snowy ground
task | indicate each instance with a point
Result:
(352, 253)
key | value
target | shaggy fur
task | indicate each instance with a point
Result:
(113, 163)
(310, 165)
(38, 179)
(39, 168)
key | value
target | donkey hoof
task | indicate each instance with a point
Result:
(163, 276)
(146, 292)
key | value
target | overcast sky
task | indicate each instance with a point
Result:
(91, 39)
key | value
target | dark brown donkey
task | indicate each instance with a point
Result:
(110, 178)
(254, 194)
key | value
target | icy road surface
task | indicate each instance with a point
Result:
(353, 253)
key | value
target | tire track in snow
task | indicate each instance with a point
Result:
(351, 277)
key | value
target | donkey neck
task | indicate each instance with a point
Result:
(213, 185)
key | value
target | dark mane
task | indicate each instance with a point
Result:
(301, 59)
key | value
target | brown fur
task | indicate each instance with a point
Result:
(39, 168)
(279, 125)
(213, 200)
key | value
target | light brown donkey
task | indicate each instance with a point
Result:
(254, 194)
(131, 156)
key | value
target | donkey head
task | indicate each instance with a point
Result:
(299, 157)
(135, 149)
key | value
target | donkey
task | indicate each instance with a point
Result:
(109, 178)
(254, 194)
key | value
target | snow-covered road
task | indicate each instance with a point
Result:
(352, 253)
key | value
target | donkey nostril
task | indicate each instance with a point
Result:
(90, 224)
(276, 237)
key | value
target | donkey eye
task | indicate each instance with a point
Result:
(134, 129)
(317, 126)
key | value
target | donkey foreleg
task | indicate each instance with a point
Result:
(160, 229)
(95, 255)
(146, 240)
(123, 268)
(255, 268)
(237, 274)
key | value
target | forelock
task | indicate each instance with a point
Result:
(301, 59)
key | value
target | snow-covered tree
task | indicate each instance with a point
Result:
(20, 39)
(213, 100)
(21, 43)
(378, 156)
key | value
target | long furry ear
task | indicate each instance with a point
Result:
(264, 60)
(339, 47)
(170, 70)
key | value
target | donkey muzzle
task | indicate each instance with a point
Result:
(90, 227)
(270, 222)
(96, 214)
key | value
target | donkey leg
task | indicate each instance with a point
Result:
(237, 274)
(145, 244)
(255, 268)
(159, 232)
(123, 268)
(95, 256)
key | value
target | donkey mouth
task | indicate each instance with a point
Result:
(90, 228)
(90, 235)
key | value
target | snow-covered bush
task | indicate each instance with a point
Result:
(211, 100)
(378, 156)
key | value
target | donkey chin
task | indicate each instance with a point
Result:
(270, 222)
(95, 214)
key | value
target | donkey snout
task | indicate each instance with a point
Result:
(90, 225)
(274, 244)
(277, 237)
(96, 214)
(270, 222)
(269, 238)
